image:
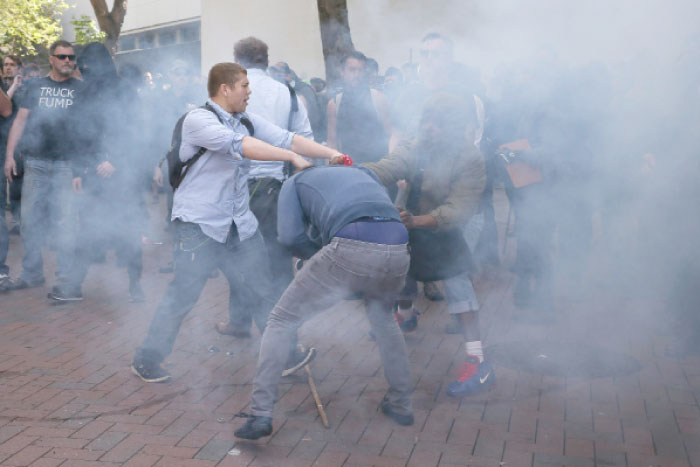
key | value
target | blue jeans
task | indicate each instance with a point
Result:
(245, 265)
(47, 191)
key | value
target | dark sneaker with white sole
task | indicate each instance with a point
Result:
(150, 372)
(63, 294)
(400, 418)
(254, 428)
(472, 383)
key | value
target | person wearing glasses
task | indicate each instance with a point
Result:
(44, 132)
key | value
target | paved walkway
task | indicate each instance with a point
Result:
(67, 396)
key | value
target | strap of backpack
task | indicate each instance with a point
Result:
(187, 164)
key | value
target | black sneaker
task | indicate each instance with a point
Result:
(64, 294)
(150, 372)
(401, 419)
(20, 284)
(255, 427)
(299, 359)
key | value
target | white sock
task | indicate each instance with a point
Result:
(474, 348)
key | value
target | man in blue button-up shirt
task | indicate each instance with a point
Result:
(214, 226)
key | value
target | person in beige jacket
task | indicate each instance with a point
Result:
(445, 176)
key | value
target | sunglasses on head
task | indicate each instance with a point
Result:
(70, 57)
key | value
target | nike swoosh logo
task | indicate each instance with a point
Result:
(482, 380)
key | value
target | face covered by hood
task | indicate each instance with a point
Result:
(95, 62)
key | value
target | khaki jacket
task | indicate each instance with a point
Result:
(452, 186)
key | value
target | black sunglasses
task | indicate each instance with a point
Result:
(65, 56)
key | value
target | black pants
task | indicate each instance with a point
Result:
(264, 193)
(109, 221)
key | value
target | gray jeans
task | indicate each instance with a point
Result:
(341, 268)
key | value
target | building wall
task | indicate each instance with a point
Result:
(145, 14)
(291, 29)
(140, 14)
(486, 32)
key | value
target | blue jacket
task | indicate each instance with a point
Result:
(316, 203)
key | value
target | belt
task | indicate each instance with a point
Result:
(383, 232)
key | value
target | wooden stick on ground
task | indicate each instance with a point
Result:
(317, 399)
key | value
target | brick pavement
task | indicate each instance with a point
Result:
(68, 398)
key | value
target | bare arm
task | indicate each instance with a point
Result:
(331, 118)
(12, 140)
(16, 84)
(258, 150)
(310, 148)
(5, 105)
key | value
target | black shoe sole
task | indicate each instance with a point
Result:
(252, 434)
(161, 379)
(58, 298)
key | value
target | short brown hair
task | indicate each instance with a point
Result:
(59, 43)
(14, 58)
(223, 73)
(251, 52)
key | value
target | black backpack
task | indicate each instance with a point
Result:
(178, 169)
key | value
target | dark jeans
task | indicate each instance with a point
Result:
(245, 265)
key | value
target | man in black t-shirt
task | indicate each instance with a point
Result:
(45, 133)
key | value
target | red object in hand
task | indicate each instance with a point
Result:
(347, 160)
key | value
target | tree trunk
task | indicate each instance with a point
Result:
(110, 22)
(335, 35)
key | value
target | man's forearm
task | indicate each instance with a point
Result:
(258, 150)
(308, 148)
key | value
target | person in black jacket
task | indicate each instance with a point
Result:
(112, 211)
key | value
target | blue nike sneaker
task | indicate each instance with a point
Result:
(469, 382)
